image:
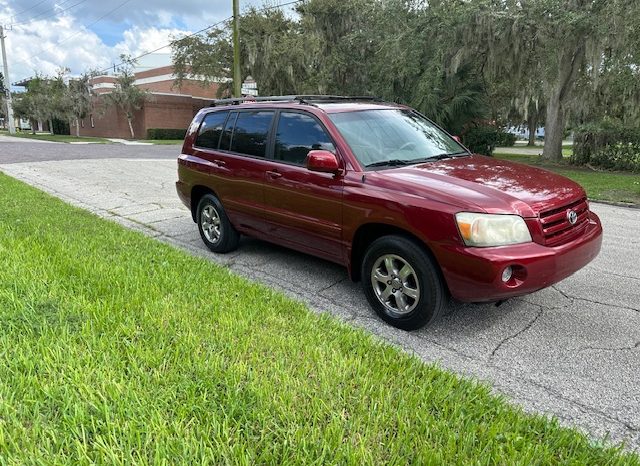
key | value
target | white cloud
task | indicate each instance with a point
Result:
(59, 38)
(47, 46)
(137, 41)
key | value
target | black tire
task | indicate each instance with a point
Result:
(217, 234)
(420, 288)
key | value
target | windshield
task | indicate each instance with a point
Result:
(389, 137)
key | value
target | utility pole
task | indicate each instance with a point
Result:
(11, 123)
(237, 80)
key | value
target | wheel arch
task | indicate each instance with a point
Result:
(368, 233)
(196, 194)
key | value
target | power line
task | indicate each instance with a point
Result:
(261, 10)
(27, 60)
(33, 19)
(149, 52)
(30, 8)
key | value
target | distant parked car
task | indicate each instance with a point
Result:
(379, 188)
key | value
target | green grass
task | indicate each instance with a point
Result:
(164, 142)
(605, 186)
(118, 349)
(55, 137)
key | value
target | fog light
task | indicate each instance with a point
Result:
(506, 274)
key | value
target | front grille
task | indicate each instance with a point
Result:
(556, 228)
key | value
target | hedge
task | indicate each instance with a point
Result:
(482, 139)
(607, 144)
(166, 133)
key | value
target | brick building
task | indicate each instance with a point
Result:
(169, 106)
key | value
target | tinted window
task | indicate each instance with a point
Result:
(250, 133)
(225, 142)
(210, 130)
(297, 134)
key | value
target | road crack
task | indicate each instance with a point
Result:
(331, 285)
(520, 332)
(593, 301)
(602, 348)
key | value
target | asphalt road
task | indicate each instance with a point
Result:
(572, 350)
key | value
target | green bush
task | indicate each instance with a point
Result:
(608, 145)
(481, 139)
(506, 139)
(166, 133)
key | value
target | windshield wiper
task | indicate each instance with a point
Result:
(447, 155)
(391, 163)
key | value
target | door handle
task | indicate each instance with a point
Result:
(219, 163)
(274, 174)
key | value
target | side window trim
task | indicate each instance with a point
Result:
(274, 130)
(195, 143)
(271, 139)
(233, 130)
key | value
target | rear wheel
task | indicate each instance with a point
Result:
(216, 230)
(402, 283)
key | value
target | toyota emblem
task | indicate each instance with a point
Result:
(572, 216)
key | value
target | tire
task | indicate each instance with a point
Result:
(214, 226)
(402, 283)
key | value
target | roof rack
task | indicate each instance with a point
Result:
(303, 99)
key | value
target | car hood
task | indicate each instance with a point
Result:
(487, 184)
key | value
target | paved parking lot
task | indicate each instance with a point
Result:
(572, 350)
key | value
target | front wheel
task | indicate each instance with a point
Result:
(402, 283)
(214, 226)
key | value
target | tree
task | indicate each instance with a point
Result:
(40, 102)
(78, 99)
(127, 97)
(457, 61)
(363, 47)
(557, 41)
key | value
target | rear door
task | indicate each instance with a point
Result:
(238, 163)
(303, 208)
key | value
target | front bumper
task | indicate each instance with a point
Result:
(475, 274)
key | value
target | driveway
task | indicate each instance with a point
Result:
(572, 350)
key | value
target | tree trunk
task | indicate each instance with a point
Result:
(130, 127)
(570, 60)
(532, 125)
(553, 130)
(78, 127)
(51, 126)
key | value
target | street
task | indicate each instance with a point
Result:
(572, 350)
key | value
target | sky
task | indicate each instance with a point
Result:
(83, 35)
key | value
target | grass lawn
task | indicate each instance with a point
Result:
(55, 137)
(606, 186)
(164, 142)
(118, 349)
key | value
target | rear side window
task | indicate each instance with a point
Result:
(210, 130)
(298, 134)
(251, 132)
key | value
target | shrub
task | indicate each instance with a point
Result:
(166, 133)
(481, 139)
(607, 144)
(506, 139)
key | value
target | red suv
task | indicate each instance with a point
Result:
(379, 188)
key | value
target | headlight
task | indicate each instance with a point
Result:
(492, 229)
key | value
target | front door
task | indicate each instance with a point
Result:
(303, 208)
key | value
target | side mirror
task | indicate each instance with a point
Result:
(457, 138)
(323, 161)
